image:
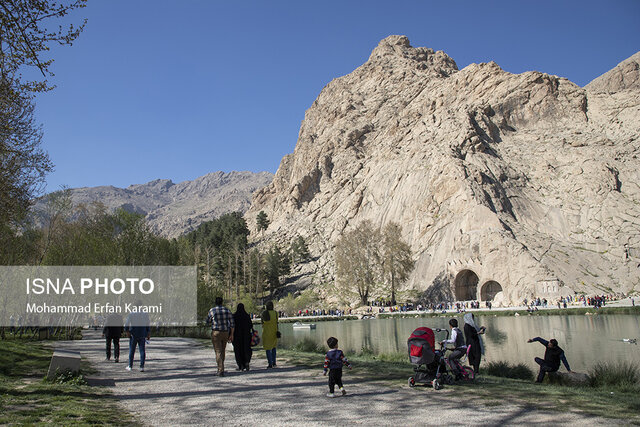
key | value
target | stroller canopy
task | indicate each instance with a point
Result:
(425, 334)
(421, 346)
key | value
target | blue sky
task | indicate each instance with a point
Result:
(177, 89)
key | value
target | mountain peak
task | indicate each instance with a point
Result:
(625, 75)
(155, 185)
(395, 40)
(398, 48)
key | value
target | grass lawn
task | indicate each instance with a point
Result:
(26, 399)
(394, 370)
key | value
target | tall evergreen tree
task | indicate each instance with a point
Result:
(299, 250)
(262, 221)
(276, 267)
(220, 246)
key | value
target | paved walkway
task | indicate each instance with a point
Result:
(179, 388)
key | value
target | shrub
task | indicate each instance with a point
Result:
(619, 375)
(507, 370)
(67, 377)
(366, 352)
(307, 345)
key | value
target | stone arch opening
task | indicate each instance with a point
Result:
(466, 285)
(489, 290)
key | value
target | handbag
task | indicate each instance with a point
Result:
(255, 338)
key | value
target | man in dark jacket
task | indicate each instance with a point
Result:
(112, 331)
(553, 355)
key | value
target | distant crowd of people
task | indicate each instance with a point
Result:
(595, 301)
(316, 312)
(386, 306)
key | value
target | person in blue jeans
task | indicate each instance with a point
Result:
(270, 333)
(137, 326)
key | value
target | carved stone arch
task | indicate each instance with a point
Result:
(489, 290)
(466, 285)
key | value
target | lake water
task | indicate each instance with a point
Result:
(585, 339)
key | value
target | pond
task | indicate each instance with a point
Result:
(585, 339)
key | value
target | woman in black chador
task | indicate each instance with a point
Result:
(242, 338)
(472, 334)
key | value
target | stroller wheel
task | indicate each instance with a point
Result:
(412, 382)
(436, 385)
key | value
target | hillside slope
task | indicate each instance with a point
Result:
(174, 209)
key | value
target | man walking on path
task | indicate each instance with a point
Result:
(553, 355)
(112, 331)
(138, 327)
(222, 326)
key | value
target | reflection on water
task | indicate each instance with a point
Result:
(494, 334)
(585, 339)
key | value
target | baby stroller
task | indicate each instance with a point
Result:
(429, 365)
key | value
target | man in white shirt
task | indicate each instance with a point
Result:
(459, 347)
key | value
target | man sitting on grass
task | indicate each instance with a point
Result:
(553, 355)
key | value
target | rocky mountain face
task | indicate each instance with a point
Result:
(506, 186)
(174, 209)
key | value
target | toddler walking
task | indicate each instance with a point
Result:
(333, 362)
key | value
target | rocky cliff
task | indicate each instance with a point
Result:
(174, 209)
(506, 185)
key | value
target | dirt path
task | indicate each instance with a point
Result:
(179, 388)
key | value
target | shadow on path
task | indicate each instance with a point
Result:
(179, 387)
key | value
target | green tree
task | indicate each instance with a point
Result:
(262, 221)
(299, 250)
(23, 163)
(276, 266)
(134, 239)
(57, 211)
(24, 39)
(26, 35)
(288, 304)
(256, 272)
(95, 237)
(397, 261)
(249, 303)
(358, 261)
(23, 248)
(219, 249)
(29, 246)
(88, 239)
(291, 304)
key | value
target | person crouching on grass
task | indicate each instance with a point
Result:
(333, 362)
